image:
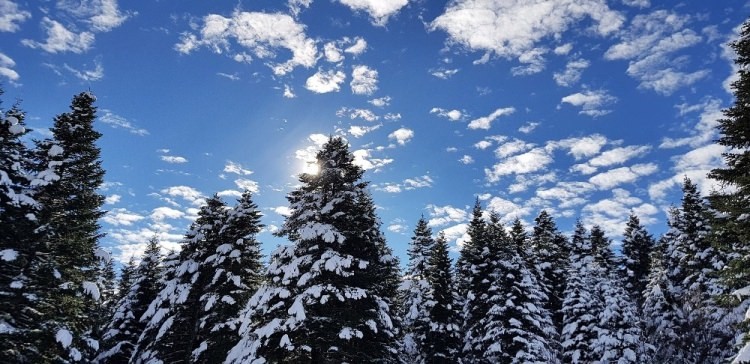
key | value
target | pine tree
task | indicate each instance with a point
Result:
(442, 342)
(122, 331)
(17, 237)
(126, 279)
(417, 293)
(548, 256)
(732, 226)
(322, 302)
(65, 265)
(601, 249)
(660, 312)
(637, 245)
(518, 328)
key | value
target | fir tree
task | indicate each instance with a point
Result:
(548, 257)
(122, 331)
(659, 311)
(637, 245)
(443, 339)
(732, 225)
(126, 279)
(601, 249)
(417, 293)
(322, 302)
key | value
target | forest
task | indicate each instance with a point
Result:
(335, 293)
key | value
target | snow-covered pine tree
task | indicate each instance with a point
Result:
(660, 313)
(105, 306)
(171, 320)
(122, 331)
(637, 245)
(17, 238)
(548, 256)
(442, 343)
(417, 293)
(581, 305)
(69, 174)
(518, 327)
(322, 302)
(126, 279)
(732, 225)
(475, 267)
(602, 250)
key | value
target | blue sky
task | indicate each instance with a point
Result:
(586, 108)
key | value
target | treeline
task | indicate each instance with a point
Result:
(336, 294)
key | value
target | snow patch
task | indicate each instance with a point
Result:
(90, 288)
(64, 337)
(8, 255)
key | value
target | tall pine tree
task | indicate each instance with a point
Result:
(548, 256)
(442, 342)
(637, 245)
(417, 293)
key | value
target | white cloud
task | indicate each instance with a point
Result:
(444, 215)
(528, 127)
(359, 47)
(485, 121)
(512, 147)
(116, 121)
(332, 52)
(121, 217)
(289, 92)
(508, 210)
(563, 49)
(466, 159)
(187, 193)
(6, 68)
(611, 157)
(650, 43)
(444, 73)
(247, 185)
(568, 194)
(95, 74)
(615, 177)
(637, 3)
(363, 114)
(418, 182)
(381, 102)
(402, 135)
(397, 226)
(259, 33)
(612, 214)
(296, 6)
(11, 16)
(572, 73)
(325, 81)
(102, 15)
(379, 10)
(728, 53)
(452, 115)
(364, 80)
(483, 144)
(60, 39)
(592, 103)
(523, 182)
(174, 159)
(229, 193)
(513, 29)
(282, 210)
(358, 131)
(532, 161)
(363, 158)
(580, 147)
(112, 199)
(705, 129)
(390, 188)
(236, 168)
(163, 213)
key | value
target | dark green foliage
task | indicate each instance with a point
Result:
(637, 246)
(443, 340)
(417, 292)
(548, 258)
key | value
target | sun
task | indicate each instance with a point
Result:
(310, 167)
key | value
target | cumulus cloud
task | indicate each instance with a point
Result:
(163, 213)
(466, 159)
(534, 160)
(402, 135)
(116, 121)
(112, 199)
(60, 39)
(704, 130)
(592, 103)
(611, 157)
(572, 73)
(695, 165)
(485, 122)
(351, 113)
(289, 92)
(381, 101)
(512, 147)
(358, 131)
(513, 29)
(364, 159)
(247, 185)
(236, 168)
(325, 81)
(364, 80)
(379, 10)
(444, 215)
(612, 214)
(101, 15)
(187, 193)
(359, 46)
(444, 73)
(11, 16)
(332, 53)
(173, 159)
(528, 127)
(507, 210)
(650, 44)
(259, 33)
(615, 177)
(452, 115)
(568, 194)
(587, 146)
(6, 68)
(95, 74)
(121, 217)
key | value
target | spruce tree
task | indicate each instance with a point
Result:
(732, 225)
(126, 279)
(442, 342)
(601, 249)
(417, 293)
(548, 256)
(122, 331)
(69, 174)
(637, 245)
(660, 312)
(322, 302)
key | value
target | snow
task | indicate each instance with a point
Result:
(8, 255)
(102, 254)
(64, 337)
(743, 356)
(16, 284)
(90, 288)
(16, 129)
(55, 150)
(57, 274)
(5, 328)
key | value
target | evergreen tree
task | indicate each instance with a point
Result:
(126, 279)
(549, 259)
(601, 249)
(637, 245)
(417, 293)
(659, 311)
(122, 331)
(732, 226)
(322, 302)
(518, 328)
(65, 265)
(442, 342)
